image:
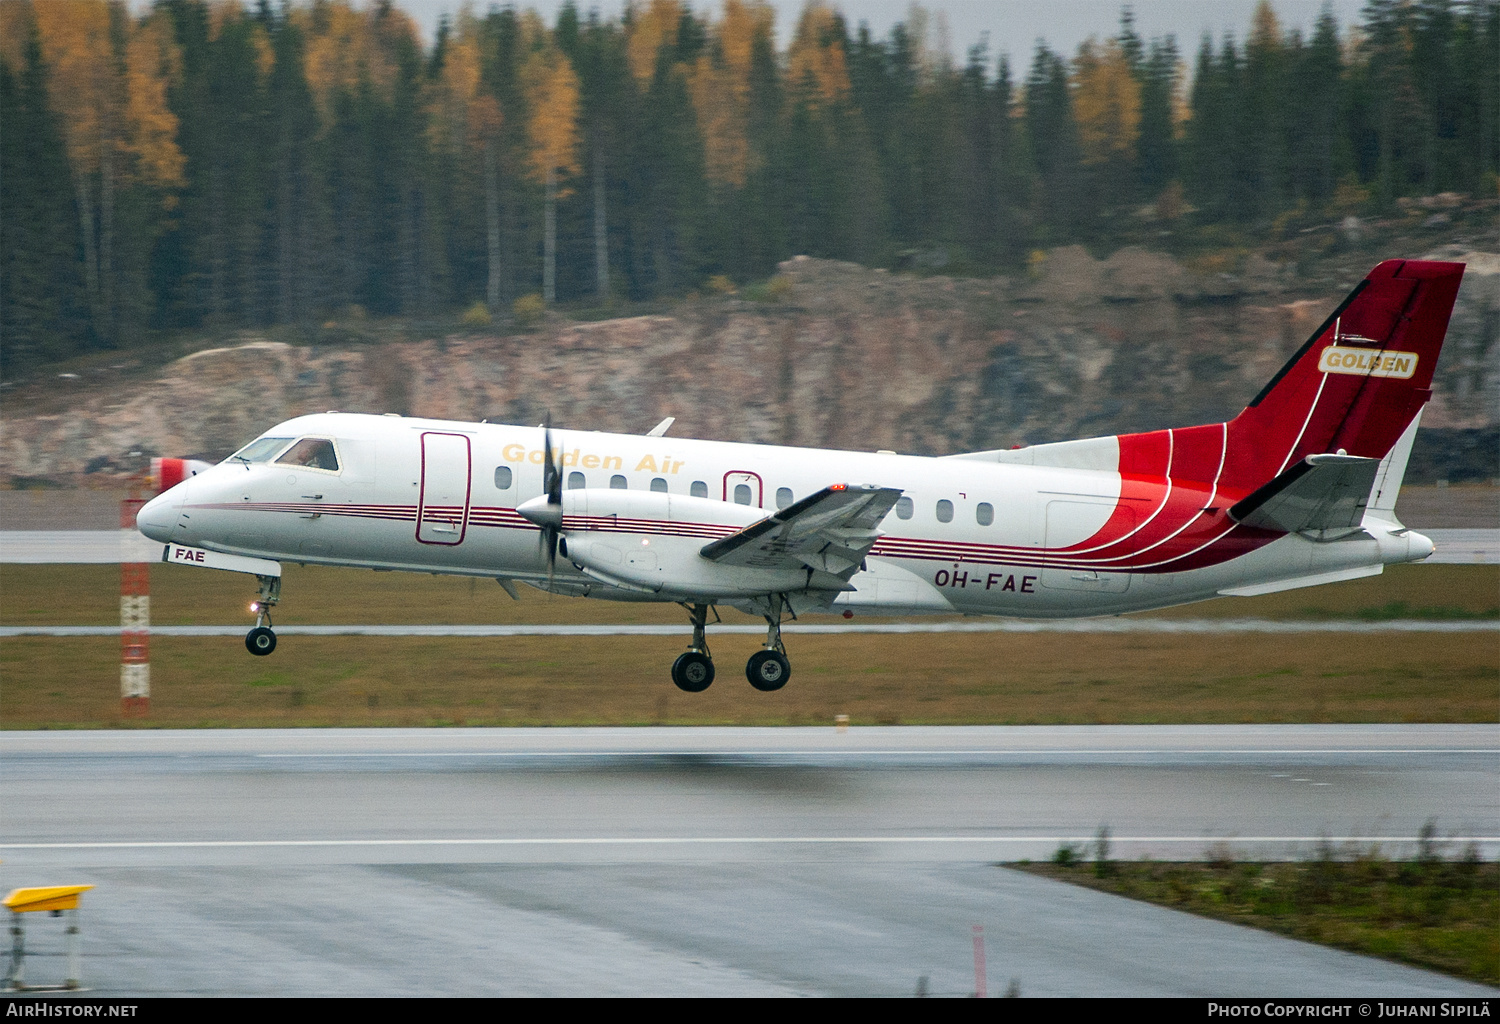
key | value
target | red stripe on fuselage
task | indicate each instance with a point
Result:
(1172, 532)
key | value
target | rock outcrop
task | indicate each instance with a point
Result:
(844, 357)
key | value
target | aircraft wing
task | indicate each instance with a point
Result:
(1322, 492)
(830, 531)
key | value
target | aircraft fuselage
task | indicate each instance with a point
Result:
(969, 535)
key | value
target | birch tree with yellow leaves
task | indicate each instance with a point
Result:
(1107, 107)
(551, 89)
(118, 127)
(720, 85)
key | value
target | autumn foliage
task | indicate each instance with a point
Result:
(213, 165)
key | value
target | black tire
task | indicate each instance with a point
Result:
(260, 641)
(693, 671)
(768, 670)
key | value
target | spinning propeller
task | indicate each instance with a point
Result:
(550, 516)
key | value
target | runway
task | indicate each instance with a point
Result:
(696, 861)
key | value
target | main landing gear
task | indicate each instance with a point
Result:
(693, 670)
(261, 640)
(767, 669)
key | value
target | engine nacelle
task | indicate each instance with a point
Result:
(651, 541)
(673, 567)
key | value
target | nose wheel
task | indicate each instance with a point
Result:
(261, 640)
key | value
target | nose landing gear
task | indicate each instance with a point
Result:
(693, 670)
(261, 640)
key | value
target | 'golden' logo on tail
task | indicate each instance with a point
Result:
(1365, 363)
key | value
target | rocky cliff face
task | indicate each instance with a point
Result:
(845, 357)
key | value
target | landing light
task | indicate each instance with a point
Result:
(255, 606)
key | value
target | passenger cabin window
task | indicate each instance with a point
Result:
(984, 513)
(783, 497)
(312, 453)
(903, 507)
(618, 483)
(576, 482)
(659, 485)
(944, 510)
(503, 477)
(261, 450)
(742, 494)
(699, 489)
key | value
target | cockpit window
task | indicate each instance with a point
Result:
(261, 450)
(312, 452)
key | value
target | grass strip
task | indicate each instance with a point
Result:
(1435, 913)
(924, 678)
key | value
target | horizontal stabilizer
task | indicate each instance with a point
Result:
(830, 531)
(1322, 492)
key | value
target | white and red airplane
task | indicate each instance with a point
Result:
(1298, 489)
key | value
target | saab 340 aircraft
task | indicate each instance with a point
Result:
(1298, 489)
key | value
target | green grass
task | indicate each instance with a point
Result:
(932, 678)
(1443, 915)
(1402, 610)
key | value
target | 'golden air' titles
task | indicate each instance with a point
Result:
(666, 465)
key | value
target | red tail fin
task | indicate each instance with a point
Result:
(1359, 380)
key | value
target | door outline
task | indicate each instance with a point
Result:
(760, 487)
(463, 526)
(1111, 579)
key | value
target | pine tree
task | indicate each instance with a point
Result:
(1052, 136)
(41, 301)
(1158, 148)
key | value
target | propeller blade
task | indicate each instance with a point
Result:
(552, 488)
(551, 470)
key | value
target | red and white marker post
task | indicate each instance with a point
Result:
(135, 615)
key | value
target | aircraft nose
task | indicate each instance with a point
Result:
(158, 517)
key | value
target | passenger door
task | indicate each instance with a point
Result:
(443, 505)
(743, 488)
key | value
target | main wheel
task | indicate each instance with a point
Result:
(260, 641)
(768, 670)
(693, 671)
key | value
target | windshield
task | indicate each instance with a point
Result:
(314, 453)
(261, 450)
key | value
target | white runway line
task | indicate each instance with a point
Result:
(219, 844)
(865, 752)
(1112, 625)
(81, 547)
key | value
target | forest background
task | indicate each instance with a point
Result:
(212, 166)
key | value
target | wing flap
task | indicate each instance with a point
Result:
(830, 531)
(1320, 493)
